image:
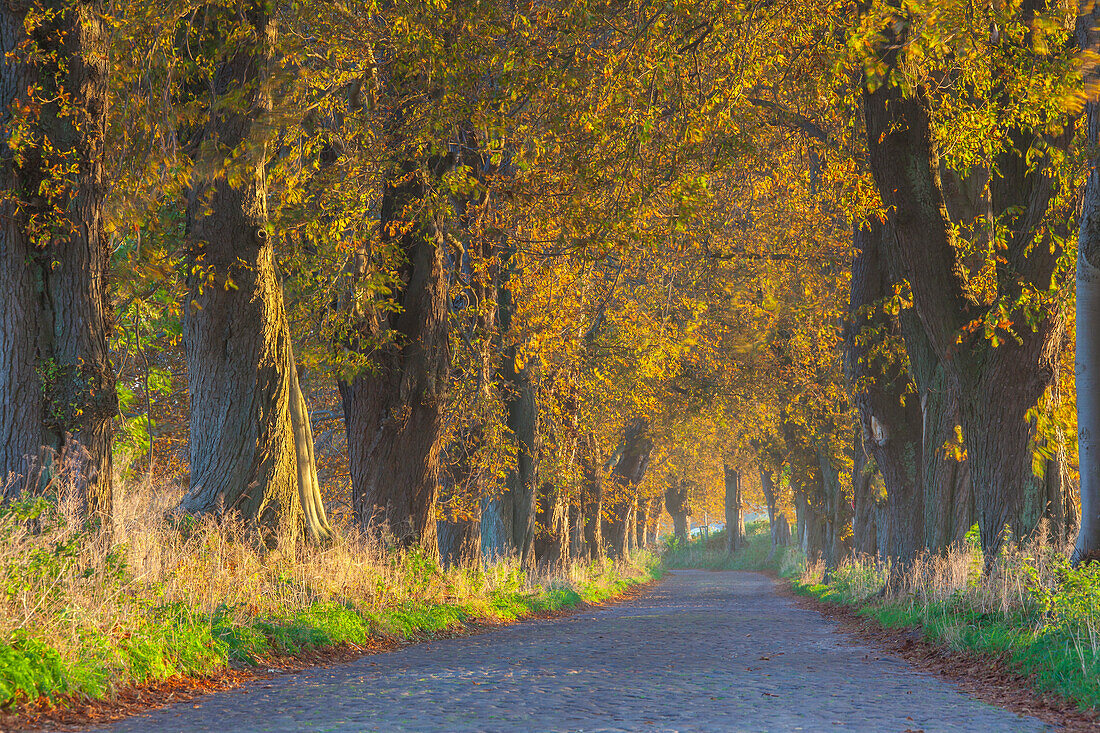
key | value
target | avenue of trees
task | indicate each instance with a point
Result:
(558, 269)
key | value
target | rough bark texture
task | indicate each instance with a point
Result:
(627, 473)
(735, 517)
(864, 527)
(996, 385)
(57, 393)
(653, 519)
(889, 412)
(1088, 316)
(251, 447)
(393, 411)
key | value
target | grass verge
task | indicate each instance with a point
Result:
(1032, 612)
(82, 617)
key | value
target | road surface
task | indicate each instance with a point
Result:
(701, 651)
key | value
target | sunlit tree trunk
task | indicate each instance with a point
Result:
(57, 390)
(1088, 318)
(591, 505)
(653, 518)
(251, 442)
(889, 409)
(551, 543)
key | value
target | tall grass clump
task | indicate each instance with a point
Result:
(1030, 609)
(85, 611)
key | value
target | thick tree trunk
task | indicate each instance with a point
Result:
(627, 473)
(676, 502)
(949, 505)
(459, 542)
(735, 518)
(57, 391)
(890, 413)
(838, 509)
(251, 442)
(510, 517)
(393, 411)
(996, 385)
(653, 519)
(781, 535)
(1087, 363)
(864, 529)
(551, 543)
(771, 500)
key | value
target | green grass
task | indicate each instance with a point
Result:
(1049, 631)
(710, 553)
(81, 623)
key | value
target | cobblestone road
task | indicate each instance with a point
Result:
(700, 652)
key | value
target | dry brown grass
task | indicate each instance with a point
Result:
(69, 587)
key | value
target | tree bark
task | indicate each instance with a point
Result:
(735, 518)
(1087, 547)
(864, 529)
(511, 516)
(393, 411)
(57, 389)
(889, 411)
(771, 500)
(551, 542)
(591, 506)
(653, 519)
(627, 473)
(676, 502)
(996, 385)
(251, 445)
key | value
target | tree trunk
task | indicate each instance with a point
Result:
(676, 502)
(459, 542)
(551, 542)
(781, 535)
(511, 516)
(57, 392)
(771, 499)
(393, 411)
(577, 546)
(653, 519)
(591, 508)
(864, 529)
(251, 441)
(735, 519)
(949, 505)
(627, 473)
(1087, 363)
(838, 510)
(997, 385)
(889, 412)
